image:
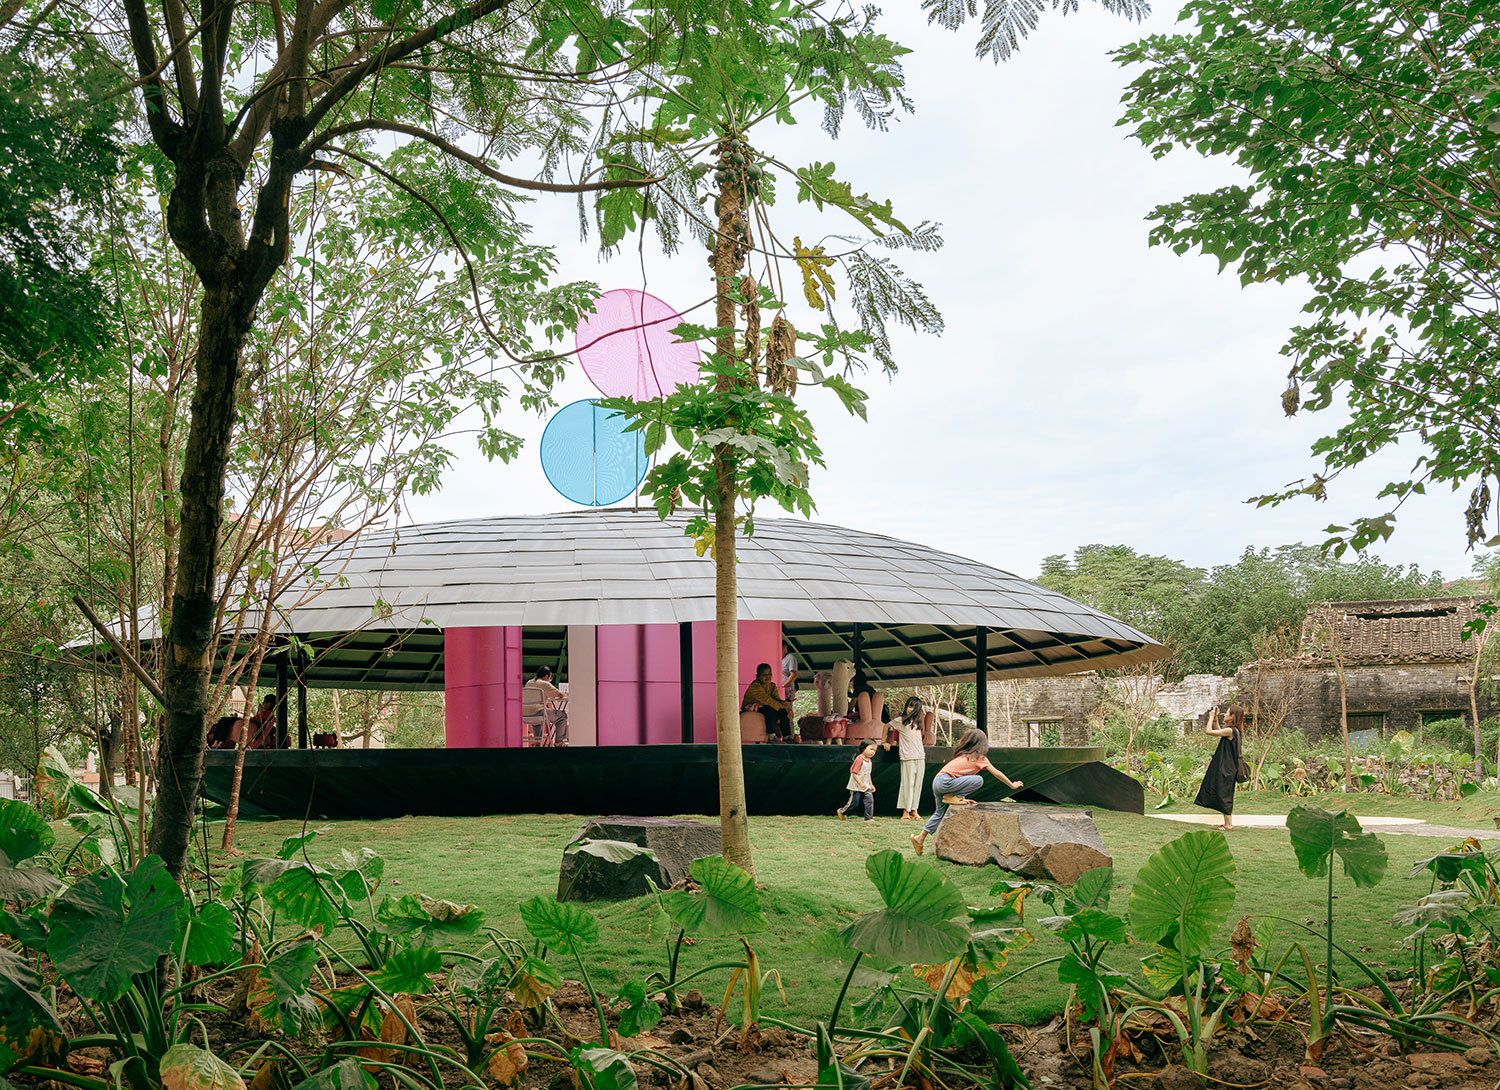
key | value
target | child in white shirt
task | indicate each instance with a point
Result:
(859, 784)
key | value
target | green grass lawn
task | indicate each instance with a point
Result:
(812, 871)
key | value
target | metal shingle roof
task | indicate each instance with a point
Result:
(619, 566)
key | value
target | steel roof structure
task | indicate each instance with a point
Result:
(386, 596)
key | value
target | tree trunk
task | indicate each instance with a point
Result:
(1481, 639)
(734, 823)
(1344, 723)
(189, 650)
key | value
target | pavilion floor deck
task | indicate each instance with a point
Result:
(640, 780)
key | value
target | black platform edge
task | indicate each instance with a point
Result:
(649, 781)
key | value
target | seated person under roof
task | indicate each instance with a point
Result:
(761, 696)
(540, 697)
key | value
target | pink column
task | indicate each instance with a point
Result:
(482, 687)
(640, 676)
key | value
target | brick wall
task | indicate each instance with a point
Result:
(1400, 694)
(1068, 700)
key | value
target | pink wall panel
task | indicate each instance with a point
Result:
(637, 682)
(482, 687)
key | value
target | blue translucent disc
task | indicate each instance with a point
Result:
(589, 457)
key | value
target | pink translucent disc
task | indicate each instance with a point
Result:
(627, 348)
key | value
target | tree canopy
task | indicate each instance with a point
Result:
(1211, 619)
(1367, 137)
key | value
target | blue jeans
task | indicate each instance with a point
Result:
(868, 796)
(946, 784)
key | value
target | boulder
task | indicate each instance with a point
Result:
(1031, 841)
(675, 843)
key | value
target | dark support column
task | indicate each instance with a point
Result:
(858, 644)
(981, 678)
(301, 702)
(685, 650)
(283, 735)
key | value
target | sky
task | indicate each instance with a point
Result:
(1088, 387)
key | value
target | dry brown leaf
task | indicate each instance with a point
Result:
(1242, 942)
(264, 1076)
(508, 1061)
(961, 984)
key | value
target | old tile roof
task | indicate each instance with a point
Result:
(1417, 630)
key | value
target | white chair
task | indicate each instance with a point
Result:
(538, 728)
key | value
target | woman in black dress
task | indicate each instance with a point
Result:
(1217, 792)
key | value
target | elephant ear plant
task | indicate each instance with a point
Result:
(1085, 923)
(1317, 836)
(105, 935)
(926, 924)
(1180, 900)
(725, 905)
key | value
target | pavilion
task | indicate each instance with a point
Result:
(620, 605)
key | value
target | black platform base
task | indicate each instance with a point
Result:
(643, 780)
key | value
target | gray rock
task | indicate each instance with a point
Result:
(1031, 841)
(676, 843)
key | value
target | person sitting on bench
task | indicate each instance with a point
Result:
(761, 696)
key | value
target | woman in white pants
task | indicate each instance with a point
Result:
(913, 758)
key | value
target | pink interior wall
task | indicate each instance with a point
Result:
(639, 679)
(482, 687)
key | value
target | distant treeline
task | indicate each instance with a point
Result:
(1216, 619)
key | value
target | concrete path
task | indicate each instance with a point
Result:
(1375, 823)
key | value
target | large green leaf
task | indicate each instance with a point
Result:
(292, 846)
(424, 921)
(29, 1028)
(106, 929)
(1317, 834)
(558, 926)
(23, 833)
(611, 851)
(26, 883)
(188, 1067)
(282, 986)
(210, 935)
(344, 1075)
(1184, 893)
(1448, 865)
(477, 980)
(409, 971)
(1088, 923)
(603, 1069)
(638, 1012)
(1093, 888)
(924, 921)
(309, 894)
(361, 874)
(725, 903)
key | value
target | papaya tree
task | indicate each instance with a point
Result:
(1366, 142)
(742, 436)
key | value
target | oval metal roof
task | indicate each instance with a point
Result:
(387, 594)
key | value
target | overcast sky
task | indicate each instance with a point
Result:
(1088, 388)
